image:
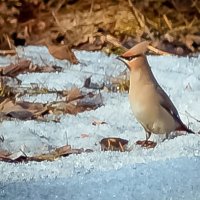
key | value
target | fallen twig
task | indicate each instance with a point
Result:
(114, 41)
(169, 24)
(7, 52)
(158, 51)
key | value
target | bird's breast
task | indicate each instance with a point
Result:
(144, 105)
(136, 106)
(150, 114)
(140, 105)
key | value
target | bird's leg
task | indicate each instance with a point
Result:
(146, 143)
(167, 136)
(148, 135)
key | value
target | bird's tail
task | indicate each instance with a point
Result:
(183, 127)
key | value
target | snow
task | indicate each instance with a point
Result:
(115, 184)
(169, 171)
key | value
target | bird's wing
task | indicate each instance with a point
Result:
(167, 104)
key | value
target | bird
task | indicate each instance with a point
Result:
(150, 104)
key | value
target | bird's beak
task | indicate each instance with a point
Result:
(123, 60)
(119, 58)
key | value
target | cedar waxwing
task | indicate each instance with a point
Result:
(150, 104)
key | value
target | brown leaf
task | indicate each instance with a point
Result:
(22, 110)
(22, 115)
(36, 108)
(50, 69)
(62, 52)
(4, 154)
(95, 43)
(74, 94)
(65, 150)
(17, 155)
(72, 108)
(14, 69)
(147, 144)
(7, 105)
(76, 101)
(64, 107)
(51, 156)
(24, 66)
(12, 157)
(113, 144)
(91, 101)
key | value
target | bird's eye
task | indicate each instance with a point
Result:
(129, 58)
(132, 57)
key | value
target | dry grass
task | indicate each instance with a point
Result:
(172, 26)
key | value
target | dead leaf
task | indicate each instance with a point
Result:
(91, 101)
(17, 156)
(62, 52)
(4, 154)
(147, 144)
(24, 66)
(22, 110)
(51, 156)
(74, 94)
(49, 69)
(113, 144)
(92, 43)
(13, 70)
(76, 101)
(37, 109)
(6, 105)
(22, 115)
(72, 108)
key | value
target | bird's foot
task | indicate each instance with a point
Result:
(146, 143)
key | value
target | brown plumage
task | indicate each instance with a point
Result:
(150, 104)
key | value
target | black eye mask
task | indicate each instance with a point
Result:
(131, 57)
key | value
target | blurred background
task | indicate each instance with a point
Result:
(170, 25)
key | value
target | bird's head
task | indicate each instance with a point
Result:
(135, 55)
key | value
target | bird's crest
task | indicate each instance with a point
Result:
(137, 50)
